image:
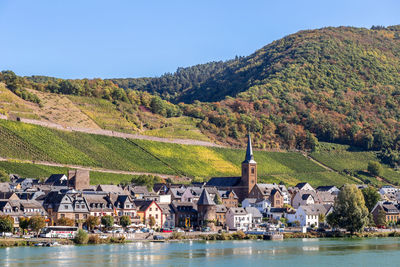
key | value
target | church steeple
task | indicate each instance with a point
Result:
(249, 170)
(249, 152)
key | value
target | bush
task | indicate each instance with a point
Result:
(81, 237)
(375, 168)
(94, 239)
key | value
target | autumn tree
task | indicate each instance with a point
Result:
(375, 168)
(23, 223)
(36, 223)
(65, 222)
(6, 223)
(92, 221)
(107, 221)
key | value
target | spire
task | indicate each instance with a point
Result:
(205, 199)
(249, 152)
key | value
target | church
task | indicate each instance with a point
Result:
(243, 185)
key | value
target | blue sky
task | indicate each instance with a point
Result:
(77, 39)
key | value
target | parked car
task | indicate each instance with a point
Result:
(206, 229)
(179, 230)
(6, 234)
(158, 237)
(166, 230)
(103, 236)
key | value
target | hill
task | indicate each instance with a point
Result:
(31, 142)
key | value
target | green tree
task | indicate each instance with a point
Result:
(36, 223)
(6, 223)
(65, 222)
(381, 218)
(4, 176)
(349, 210)
(152, 221)
(107, 221)
(371, 197)
(217, 199)
(81, 237)
(375, 168)
(125, 221)
(92, 221)
(23, 224)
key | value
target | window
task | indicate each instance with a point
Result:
(62, 215)
(66, 207)
(156, 216)
(150, 209)
(76, 216)
(252, 170)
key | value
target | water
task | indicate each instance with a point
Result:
(295, 252)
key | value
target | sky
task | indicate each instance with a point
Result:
(121, 39)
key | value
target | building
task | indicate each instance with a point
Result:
(185, 214)
(79, 179)
(238, 219)
(168, 216)
(305, 197)
(308, 215)
(241, 185)
(148, 209)
(389, 210)
(256, 216)
(206, 210)
(229, 198)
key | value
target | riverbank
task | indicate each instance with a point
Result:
(95, 239)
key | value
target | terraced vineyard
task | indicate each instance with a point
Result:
(343, 158)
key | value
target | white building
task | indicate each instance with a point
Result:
(261, 204)
(238, 219)
(388, 189)
(305, 197)
(307, 215)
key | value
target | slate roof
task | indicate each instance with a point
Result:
(305, 196)
(205, 199)
(221, 209)
(224, 181)
(238, 211)
(55, 179)
(225, 193)
(142, 204)
(254, 212)
(314, 209)
(249, 152)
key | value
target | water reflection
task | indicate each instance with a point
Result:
(307, 252)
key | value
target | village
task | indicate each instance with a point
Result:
(221, 204)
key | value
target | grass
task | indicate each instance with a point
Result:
(181, 127)
(103, 113)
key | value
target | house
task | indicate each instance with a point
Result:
(305, 197)
(138, 191)
(327, 197)
(25, 183)
(241, 185)
(147, 209)
(99, 204)
(276, 194)
(328, 188)
(275, 213)
(57, 180)
(304, 187)
(5, 187)
(160, 189)
(185, 214)
(168, 216)
(124, 205)
(388, 189)
(260, 204)
(220, 213)
(109, 188)
(21, 208)
(66, 204)
(238, 219)
(176, 193)
(256, 216)
(390, 211)
(191, 194)
(308, 215)
(229, 198)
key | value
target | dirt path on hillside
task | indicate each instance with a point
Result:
(71, 166)
(118, 134)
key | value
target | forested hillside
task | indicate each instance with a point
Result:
(332, 84)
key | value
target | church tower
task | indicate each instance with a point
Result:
(249, 169)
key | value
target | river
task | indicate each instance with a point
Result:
(294, 252)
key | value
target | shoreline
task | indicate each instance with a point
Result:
(17, 242)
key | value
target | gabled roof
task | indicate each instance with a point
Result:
(225, 193)
(221, 209)
(238, 211)
(254, 212)
(327, 188)
(57, 179)
(143, 204)
(110, 188)
(315, 209)
(224, 181)
(205, 199)
(306, 196)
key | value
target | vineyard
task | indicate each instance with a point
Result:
(32, 142)
(344, 159)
